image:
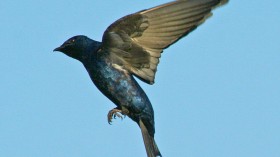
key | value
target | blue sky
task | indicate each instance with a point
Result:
(217, 91)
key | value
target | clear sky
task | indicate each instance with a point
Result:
(216, 93)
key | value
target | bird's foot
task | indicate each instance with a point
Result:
(114, 113)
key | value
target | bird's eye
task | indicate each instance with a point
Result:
(71, 41)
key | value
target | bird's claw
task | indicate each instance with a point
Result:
(117, 115)
(113, 114)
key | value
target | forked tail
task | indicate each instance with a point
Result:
(150, 144)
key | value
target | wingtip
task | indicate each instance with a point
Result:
(220, 3)
(223, 2)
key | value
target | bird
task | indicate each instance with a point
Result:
(131, 48)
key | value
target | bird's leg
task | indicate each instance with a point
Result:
(116, 113)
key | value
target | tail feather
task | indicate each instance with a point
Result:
(150, 144)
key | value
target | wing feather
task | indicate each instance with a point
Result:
(136, 41)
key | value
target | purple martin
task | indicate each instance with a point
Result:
(131, 47)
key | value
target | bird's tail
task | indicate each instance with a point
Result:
(150, 144)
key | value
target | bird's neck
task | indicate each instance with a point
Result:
(88, 51)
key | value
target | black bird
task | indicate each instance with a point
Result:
(132, 46)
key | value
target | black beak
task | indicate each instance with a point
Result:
(58, 49)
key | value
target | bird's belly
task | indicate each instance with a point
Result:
(121, 88)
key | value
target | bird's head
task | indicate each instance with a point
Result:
(75, 47)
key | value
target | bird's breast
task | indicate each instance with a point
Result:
(118, 85)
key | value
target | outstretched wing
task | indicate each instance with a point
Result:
(135, 42)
